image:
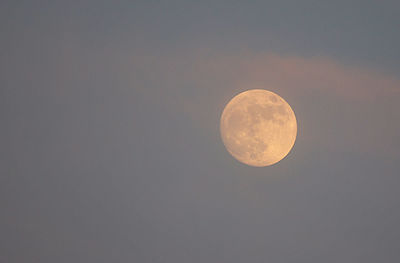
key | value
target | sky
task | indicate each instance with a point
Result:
(110, 143)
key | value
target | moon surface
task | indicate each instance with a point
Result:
(258, 127)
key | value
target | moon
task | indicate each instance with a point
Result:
(258, 127)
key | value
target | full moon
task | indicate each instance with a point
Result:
(258, 127)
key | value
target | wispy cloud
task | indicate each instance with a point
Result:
(332, 100)
(297, 74)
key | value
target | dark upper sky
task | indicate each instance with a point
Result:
(110, 145)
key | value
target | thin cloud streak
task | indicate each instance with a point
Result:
(331, 100)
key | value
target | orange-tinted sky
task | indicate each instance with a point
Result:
(110, 131)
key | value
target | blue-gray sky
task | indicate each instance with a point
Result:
(110, 145)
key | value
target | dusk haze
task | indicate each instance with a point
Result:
(200, 131)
